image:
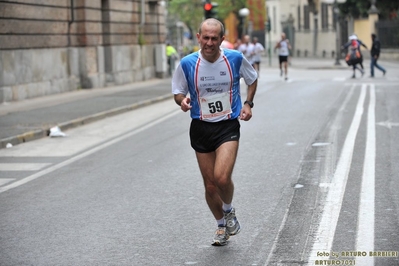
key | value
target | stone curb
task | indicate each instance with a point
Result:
(44, 132)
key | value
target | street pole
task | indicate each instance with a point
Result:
(269, 40)
(270, 48)
(243, 13)
(337, 34)
(316, 29)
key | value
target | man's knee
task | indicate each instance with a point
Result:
(222, 180)
(211, 190)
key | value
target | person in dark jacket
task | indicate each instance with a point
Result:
(375, 54)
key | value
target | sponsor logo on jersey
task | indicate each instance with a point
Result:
(207, 78)
(214, 90)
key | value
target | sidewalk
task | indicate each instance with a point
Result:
(32, 119)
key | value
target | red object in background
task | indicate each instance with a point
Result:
(226, 44)
(208, 6)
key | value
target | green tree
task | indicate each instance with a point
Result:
(191, 12)
(225, 7)
(385, 7)
(355, 8)
(360, 8)
(188, 11)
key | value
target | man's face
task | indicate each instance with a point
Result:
(209, 41)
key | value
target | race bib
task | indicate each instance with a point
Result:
(215, 105)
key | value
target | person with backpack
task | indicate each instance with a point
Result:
(375, 53)
(354, 56)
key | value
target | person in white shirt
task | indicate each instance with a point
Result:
(212, 78)
(284, 47)
(258, 50)
(247, 48)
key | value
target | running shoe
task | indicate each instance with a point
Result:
(232, 225)
(221, 237)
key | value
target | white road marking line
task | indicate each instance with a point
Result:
(86, 153)
(4, 181)
(22, 166)
(328, 223)
(388, 124)
(376, 84)
(366, 220)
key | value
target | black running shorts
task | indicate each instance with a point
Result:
(283, 58)
(207, 137)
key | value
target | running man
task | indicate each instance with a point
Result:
(284, 47)
(247, 48)
(258, 51)
(212, 77)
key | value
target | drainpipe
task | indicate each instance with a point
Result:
(70, 23)
(70, 60)
(142, 13)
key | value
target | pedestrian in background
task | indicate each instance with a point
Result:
(172, 56)
(212, 78)
(247, 48)
(375, 54)
(284, 47)
(258, 50)
(354, 56)
(237, 44)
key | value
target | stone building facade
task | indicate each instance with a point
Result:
(54, 46)
(319, 30)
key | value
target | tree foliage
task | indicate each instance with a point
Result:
(188, 11)
(229, 6)
(191, 12)
(360, 8)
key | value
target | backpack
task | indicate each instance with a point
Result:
(354, 56)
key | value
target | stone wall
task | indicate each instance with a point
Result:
(29, 73)
(53, 46)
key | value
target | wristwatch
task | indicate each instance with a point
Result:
(250, 103)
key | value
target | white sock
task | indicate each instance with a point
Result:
(221, 222)
(227, 207)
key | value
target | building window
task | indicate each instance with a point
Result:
(324, 16)
(299, 18)
(306, 23)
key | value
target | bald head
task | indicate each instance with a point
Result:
(212, 22)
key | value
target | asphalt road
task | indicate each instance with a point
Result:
(316, 181)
